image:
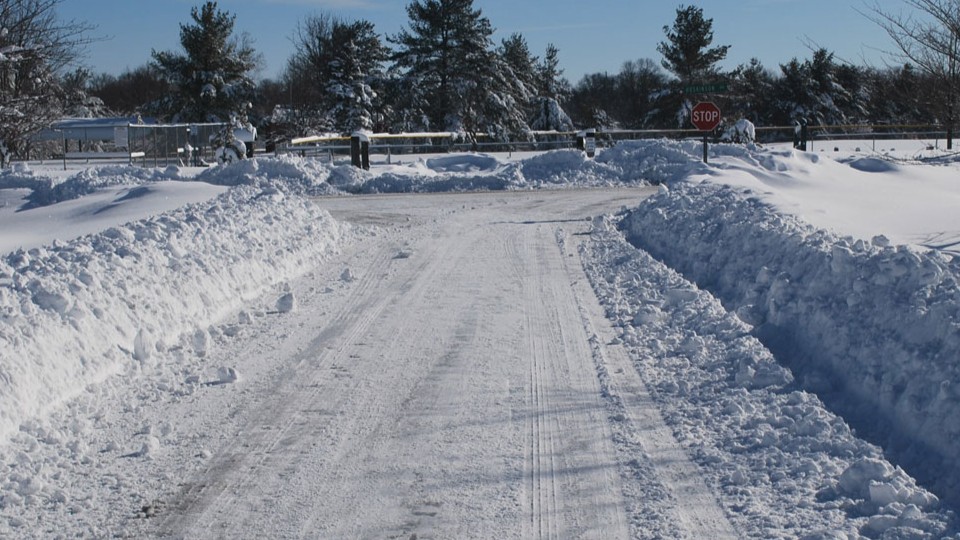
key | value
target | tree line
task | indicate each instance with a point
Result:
(444, 72)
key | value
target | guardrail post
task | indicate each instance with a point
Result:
(355, 150)
(590, 142)
(800, 135)
(360, 151)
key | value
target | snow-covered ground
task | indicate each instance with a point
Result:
(745, 324)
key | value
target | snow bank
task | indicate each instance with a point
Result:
(761, 442)
(874, 329)
(308, 176)
(462, 163)
(295, 174)
(567, 167)
(656, 161)
(18, 175)
(73, 314)
(448, 173)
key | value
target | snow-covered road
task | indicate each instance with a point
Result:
(449, 390)
(527, 363)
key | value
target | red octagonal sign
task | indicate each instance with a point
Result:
(705, 116)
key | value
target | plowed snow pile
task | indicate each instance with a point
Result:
(871, 325)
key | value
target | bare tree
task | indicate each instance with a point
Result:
(35, 46)
(929, 38)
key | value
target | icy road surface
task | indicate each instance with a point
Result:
(446, 388)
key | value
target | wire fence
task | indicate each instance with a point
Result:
(172, 144)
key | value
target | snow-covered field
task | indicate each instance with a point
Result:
(770, 343)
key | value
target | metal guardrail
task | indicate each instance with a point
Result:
(383, 144)
(156, 146)
(390, 144)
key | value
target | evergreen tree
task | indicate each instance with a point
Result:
(514, 102)
(450, 71)
(794, 93)
(550, 80)
(533, 89)
(336, 70)
(520, 65)
(551, 89)
(211, 80)
(688, 55)
(752, 89)
(686, 52)
(902, 95)
(809, 90)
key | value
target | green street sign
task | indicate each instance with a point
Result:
(705, 88)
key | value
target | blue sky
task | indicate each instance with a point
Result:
(592, 35)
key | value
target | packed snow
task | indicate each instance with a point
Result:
(794, 315)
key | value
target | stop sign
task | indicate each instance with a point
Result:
(705, 116)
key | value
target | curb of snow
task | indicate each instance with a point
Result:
(76, 313)
(873, 329)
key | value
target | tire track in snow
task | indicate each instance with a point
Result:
(464, 393)
(333, 446)
(541, 464)
(235, 470)
(572, 485)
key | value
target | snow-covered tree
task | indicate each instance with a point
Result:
(519, 65)
(810, 90)
(549, 76)
(551, 90)
(337, 69)
(35, 46)
(741, 132)
(446, 59)
(227, 147)
(518, 90)
(212, 78)
(752, 89)
(549, 115)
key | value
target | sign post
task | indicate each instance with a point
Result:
(705, 116)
